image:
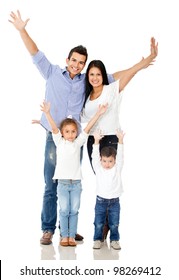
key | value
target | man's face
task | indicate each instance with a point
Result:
(75, 64)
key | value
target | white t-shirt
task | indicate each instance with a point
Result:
(108, 181)
(108, 123)
(68, 156)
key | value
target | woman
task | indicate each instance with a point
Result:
(99, 91)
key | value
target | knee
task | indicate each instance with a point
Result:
(98, 226)
(74, 212)
(64, 212)
(113, 226)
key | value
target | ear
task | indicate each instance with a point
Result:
(67, 61)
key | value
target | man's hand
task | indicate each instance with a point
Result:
(17, 21)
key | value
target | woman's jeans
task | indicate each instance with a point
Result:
(49, 207)
(112, 208)
(69, 194)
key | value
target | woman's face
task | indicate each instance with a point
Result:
(95, 77)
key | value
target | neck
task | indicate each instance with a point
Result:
(96, 92)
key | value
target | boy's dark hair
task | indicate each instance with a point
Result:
(68, 121)
(79, 49)
(108, 152)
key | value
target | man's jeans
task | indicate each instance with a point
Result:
(69, 194)
(49, 208)
(112, 208)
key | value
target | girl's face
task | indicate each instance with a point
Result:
(69, 132)
(107, 162)
(95, 77)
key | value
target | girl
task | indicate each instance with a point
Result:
(68, 171)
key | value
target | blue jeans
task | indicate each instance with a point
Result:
(112, 208)
(69, 194)
(49, 208)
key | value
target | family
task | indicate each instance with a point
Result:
(73, 97)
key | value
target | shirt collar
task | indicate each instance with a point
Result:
(66, 72)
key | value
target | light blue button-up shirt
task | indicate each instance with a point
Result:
(66, 95)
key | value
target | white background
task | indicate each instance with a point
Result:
(117, 32)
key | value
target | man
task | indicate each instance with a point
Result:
(65, 89)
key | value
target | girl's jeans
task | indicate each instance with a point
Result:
(112, 208)
(69, 194)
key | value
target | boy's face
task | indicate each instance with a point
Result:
(108, 162)
(75, 64)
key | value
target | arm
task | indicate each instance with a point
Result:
(125, 76)
(120, 135)
(97, 137)
(20, 25)
(101, 110)
(45, 107)
(120, 156)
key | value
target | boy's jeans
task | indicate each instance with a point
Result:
(69, 194)
(112, 207)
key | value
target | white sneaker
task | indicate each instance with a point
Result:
(115, 245)
(97, 244)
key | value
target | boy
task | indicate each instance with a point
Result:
(107, 165)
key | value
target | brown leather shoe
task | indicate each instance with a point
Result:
(78, 237)
(46, 238)
(64, 241)
(72, 242)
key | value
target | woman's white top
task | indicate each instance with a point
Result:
(108, 123)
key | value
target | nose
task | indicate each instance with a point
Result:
(76, 64)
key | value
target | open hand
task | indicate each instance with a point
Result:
(17, 21)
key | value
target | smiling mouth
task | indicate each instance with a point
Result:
(75, 69)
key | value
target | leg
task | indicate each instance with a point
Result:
(49, 209)
(106, 227)
(100, 217)
(64, 203)
(75, 196)
(113, 219)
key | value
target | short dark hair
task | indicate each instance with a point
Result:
(108, 152)
(79, 49)
(68, 121)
